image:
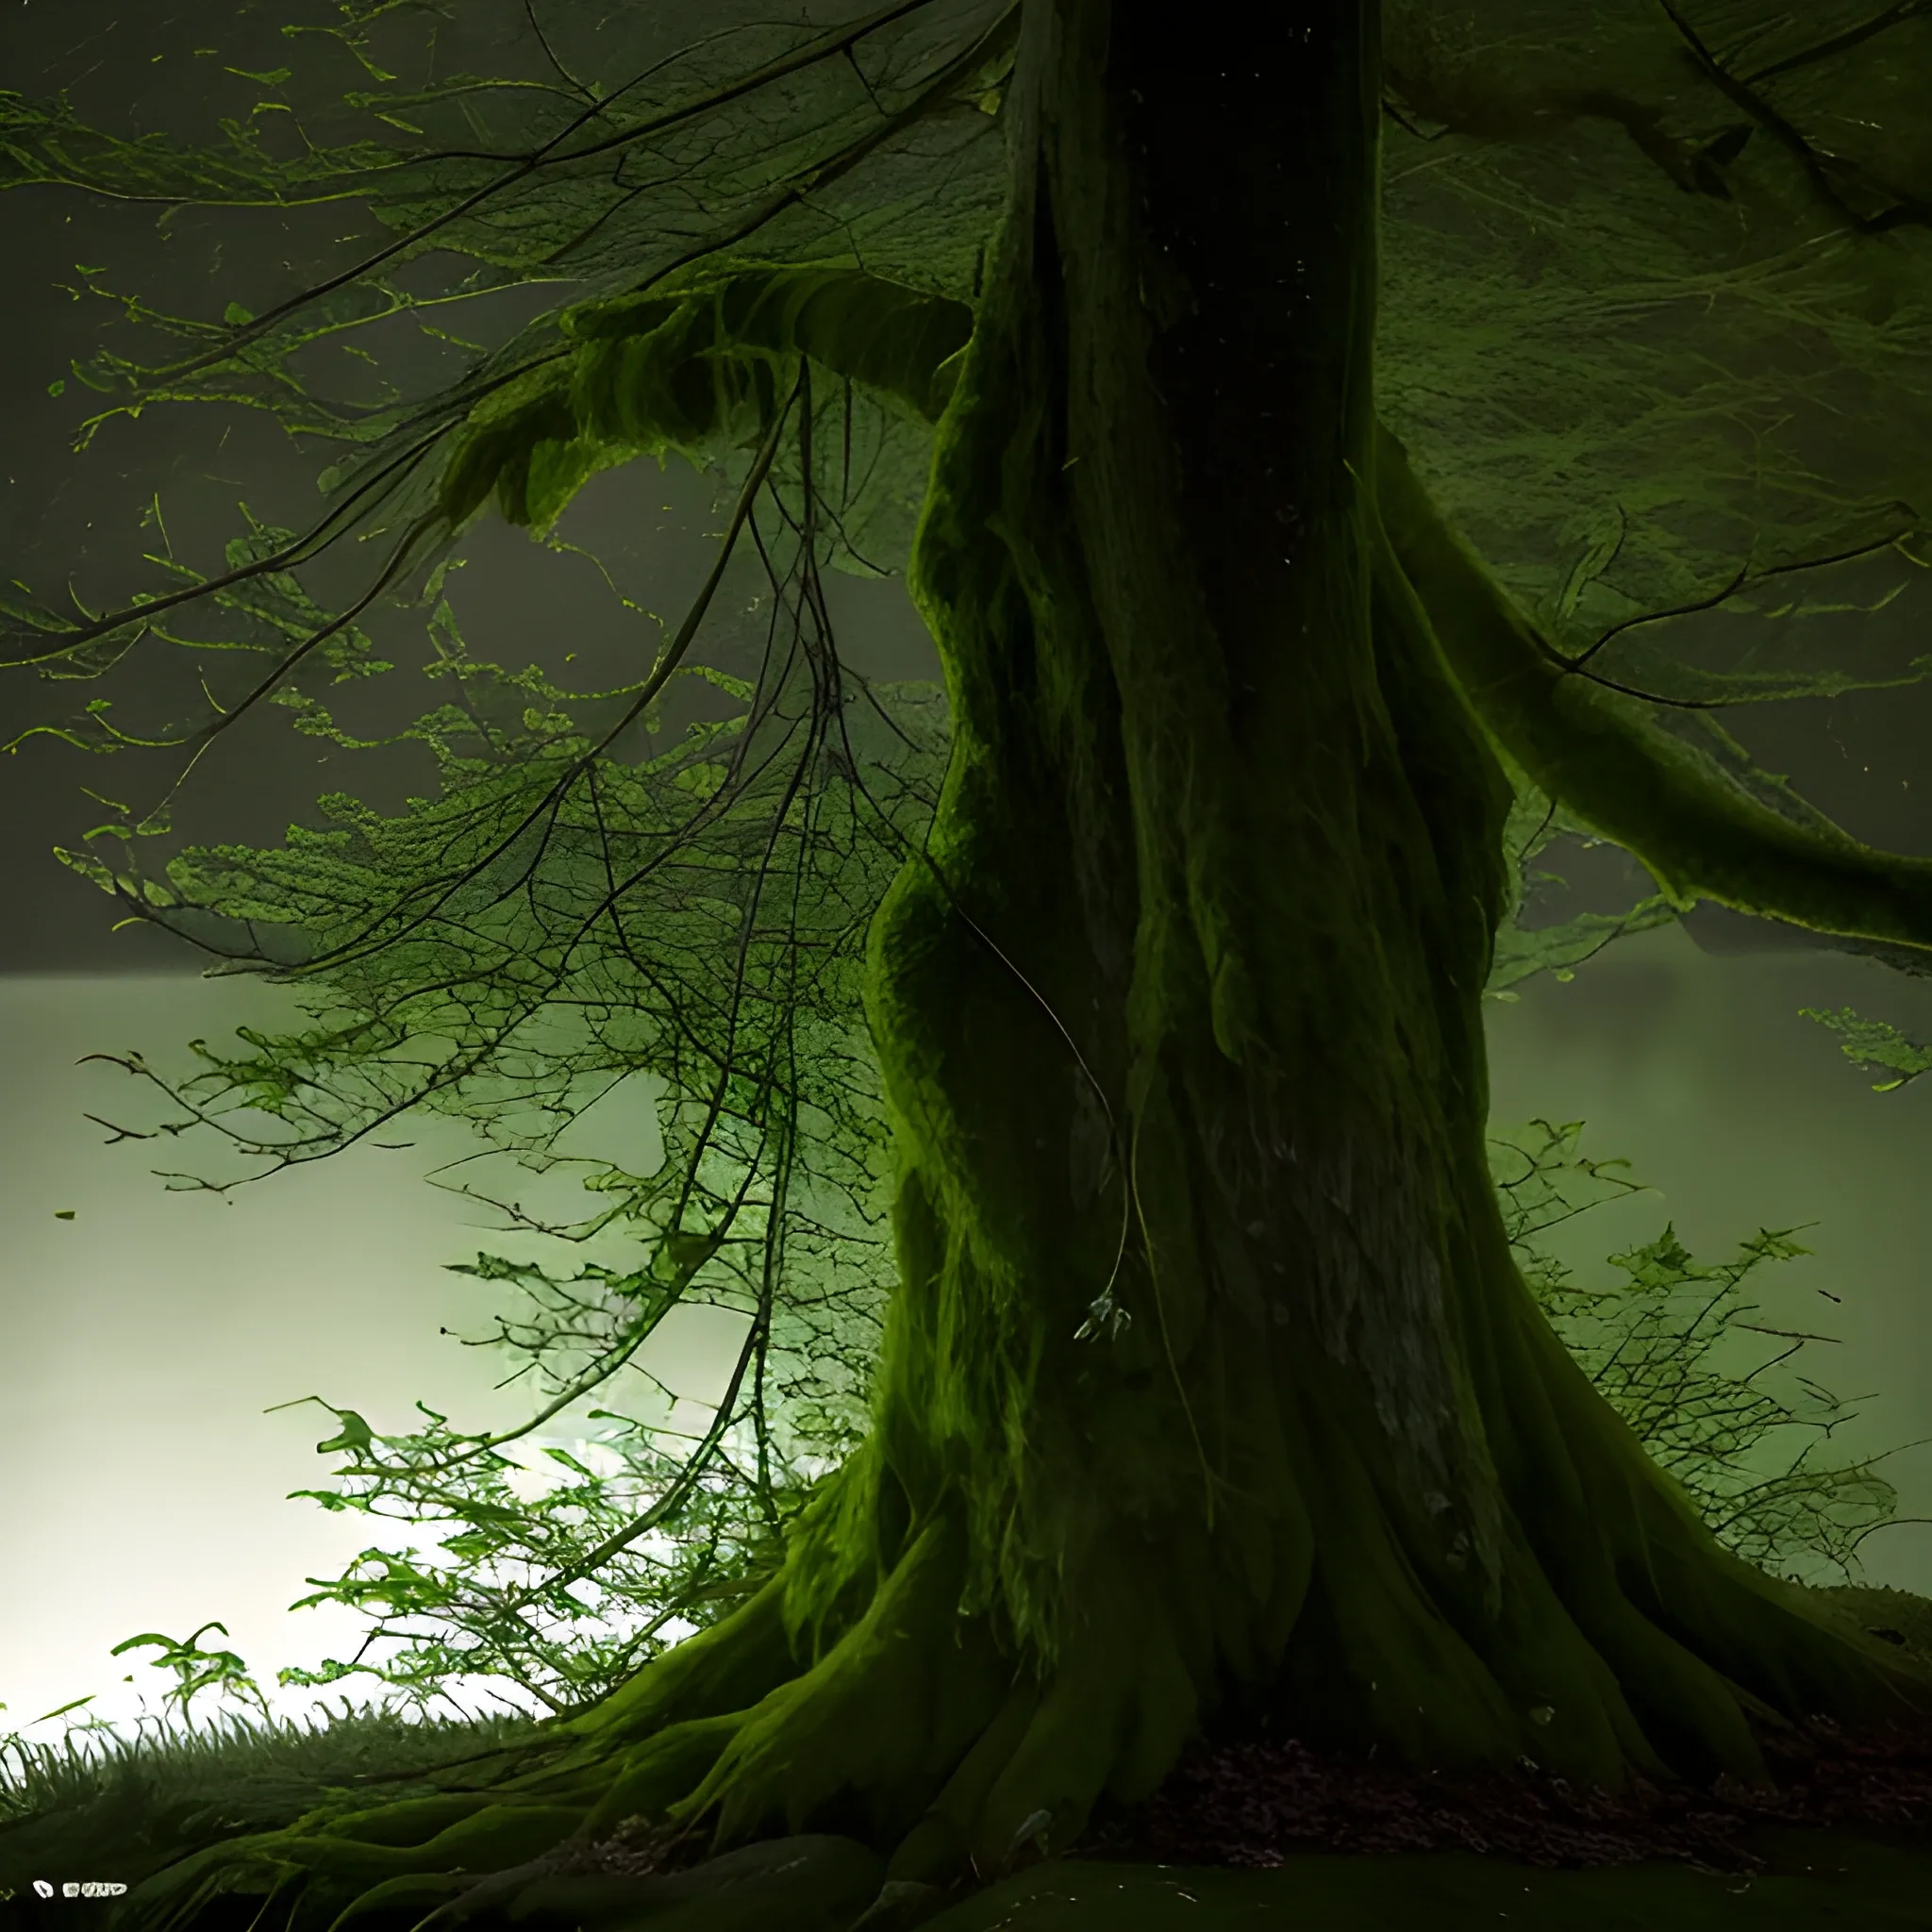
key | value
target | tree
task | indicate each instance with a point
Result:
(1209, 1386)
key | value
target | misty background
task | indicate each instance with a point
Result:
(143, 1331)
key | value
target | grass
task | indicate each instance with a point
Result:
(123, 1809)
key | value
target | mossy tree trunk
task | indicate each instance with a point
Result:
(1186, 1012)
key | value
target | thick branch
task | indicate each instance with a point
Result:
(898, 340)
(1600, 753)
(686, 371)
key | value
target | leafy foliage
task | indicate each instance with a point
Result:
(1657, 325)
(513, 952)
(1876, 1044)
(577, 908)
(1712, 1394)
(1621, 322)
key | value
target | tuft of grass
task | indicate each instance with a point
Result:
(124, 1810)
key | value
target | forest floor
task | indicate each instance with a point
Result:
(1813, 1882)
(1244, 1836)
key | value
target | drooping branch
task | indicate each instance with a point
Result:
(561, 150)
(1832, 177)
(1834, 44)
(1484, 110)
(1599, 753)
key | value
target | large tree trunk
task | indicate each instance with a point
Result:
(1182, 1025)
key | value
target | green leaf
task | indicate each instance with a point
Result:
(474, 1510)
(702, 780)
(1874, 1043)
(235, 316)
(356, 1433)
(66, 1708)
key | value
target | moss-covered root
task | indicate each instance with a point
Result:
(911, 1732)
(317, 1873)
(1619, 1638)
(915, 1733)
(649, 1743)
